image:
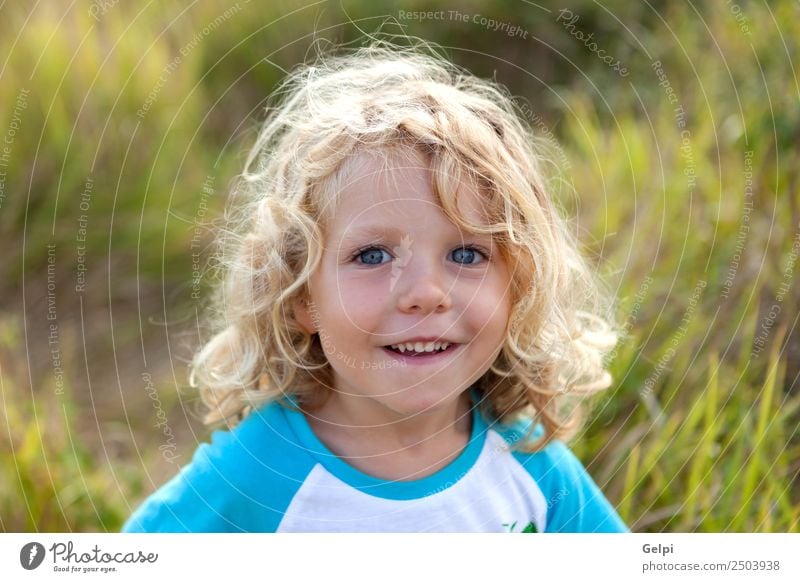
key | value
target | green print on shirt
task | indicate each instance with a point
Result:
(530, 528)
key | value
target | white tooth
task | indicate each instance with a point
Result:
(445, 345)
(429, 347)
(409, 347)
(401, 347)
(419, 347)
(437, 346)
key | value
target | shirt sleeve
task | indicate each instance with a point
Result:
(576, 503)
(197, 499)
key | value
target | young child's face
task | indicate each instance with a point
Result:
(413, 275)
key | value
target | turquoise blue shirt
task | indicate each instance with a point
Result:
(272, 474)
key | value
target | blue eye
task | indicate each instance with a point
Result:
(466, 255)
(370, 255)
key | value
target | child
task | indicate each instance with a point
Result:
(406, 326)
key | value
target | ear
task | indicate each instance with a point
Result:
(302, 313)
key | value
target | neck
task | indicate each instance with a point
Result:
(353, 427)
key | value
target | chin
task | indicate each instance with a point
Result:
(409, 403)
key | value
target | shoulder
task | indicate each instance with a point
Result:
(574, 501)
(241, 481)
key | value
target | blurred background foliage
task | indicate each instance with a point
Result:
(124, 125)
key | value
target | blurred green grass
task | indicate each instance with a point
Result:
(699, 431)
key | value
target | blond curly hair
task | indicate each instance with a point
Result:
(379, 98)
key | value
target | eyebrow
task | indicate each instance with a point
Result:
(372, 230)
(379, 230)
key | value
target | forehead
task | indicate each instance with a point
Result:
(396, 189)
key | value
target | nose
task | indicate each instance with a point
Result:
(422, 287)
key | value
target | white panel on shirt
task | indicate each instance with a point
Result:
(497, 490)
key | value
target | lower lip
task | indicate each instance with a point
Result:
(424, 357)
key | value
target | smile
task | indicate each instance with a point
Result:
(412, 357)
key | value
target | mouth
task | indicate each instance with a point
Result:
(412, 356)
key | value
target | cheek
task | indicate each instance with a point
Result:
(491, 317)
(357, 300)
(343, 294)
(491, 308)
